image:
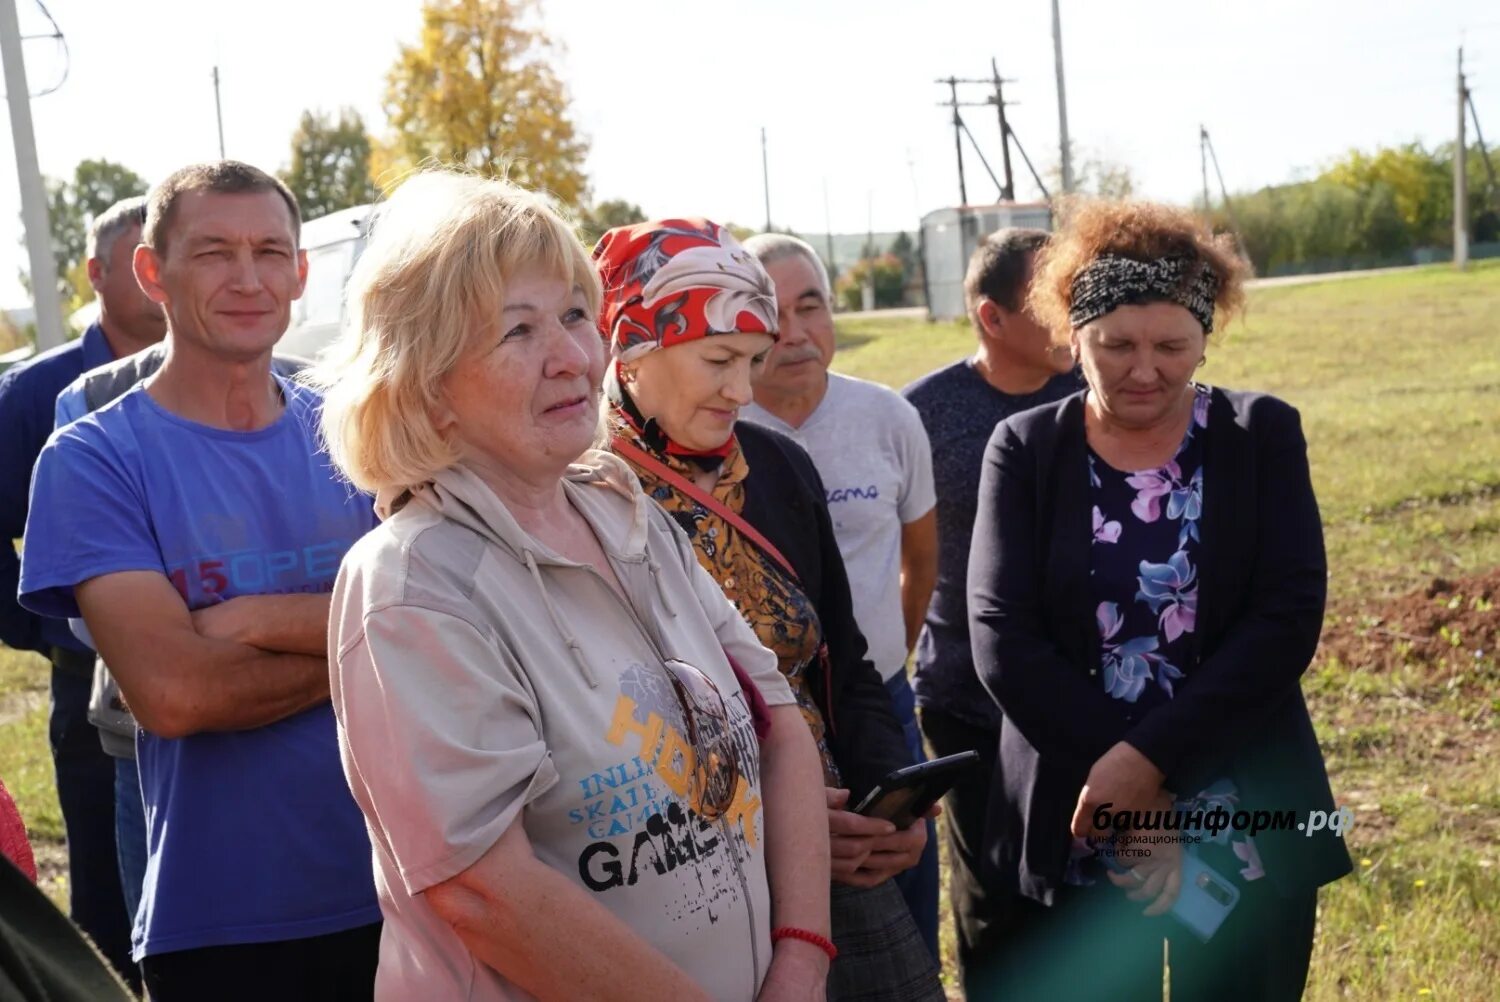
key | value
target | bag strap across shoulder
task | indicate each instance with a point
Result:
(643, 458)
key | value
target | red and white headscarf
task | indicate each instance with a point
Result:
(676, 280)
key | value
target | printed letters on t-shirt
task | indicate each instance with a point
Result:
(640, 811)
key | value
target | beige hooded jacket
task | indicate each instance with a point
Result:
(480, 678)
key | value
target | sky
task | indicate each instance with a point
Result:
(673, 94)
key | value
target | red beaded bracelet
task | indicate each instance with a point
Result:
(821, 942)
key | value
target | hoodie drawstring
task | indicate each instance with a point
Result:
(567, 635)
(661, 591)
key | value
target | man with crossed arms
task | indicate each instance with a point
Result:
(197, 529)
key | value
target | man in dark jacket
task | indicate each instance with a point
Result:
(1012, 369)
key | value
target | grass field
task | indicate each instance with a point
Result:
(1398, 381)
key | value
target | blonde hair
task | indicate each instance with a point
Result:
(430, 282)
(1144, 231)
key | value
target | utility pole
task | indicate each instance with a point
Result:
(765, 176)
(49, 324)
(870, 252)
(961, 129)
(1008, 192)
(219, 113)
(828, 226)
(1203, 163)
(1066, 154)
(1461, 177)
(958, 139)
(1007, 135)
(1206, 149)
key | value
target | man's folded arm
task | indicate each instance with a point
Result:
(176, 680)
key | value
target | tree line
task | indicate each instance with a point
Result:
(1368, 208)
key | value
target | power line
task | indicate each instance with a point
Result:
(62, 41)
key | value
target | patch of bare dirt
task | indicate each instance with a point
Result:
(1451, 625)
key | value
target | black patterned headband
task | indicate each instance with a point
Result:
(1110, 281)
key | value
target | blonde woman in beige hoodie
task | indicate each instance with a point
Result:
(547, 710)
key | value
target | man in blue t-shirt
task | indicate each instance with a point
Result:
(1015, 367)
(87, 778)
(196, 527)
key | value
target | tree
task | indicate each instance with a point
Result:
(71, 208)
(478, 89)
(890, 282)
(907, 252)
(1383, 229)
(330, 167)
(595, 222)
(1421, 183)
(11, 337)
(1093, 174)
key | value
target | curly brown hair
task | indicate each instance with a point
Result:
(1141, 230)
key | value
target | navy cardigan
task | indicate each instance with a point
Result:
(1239, 712)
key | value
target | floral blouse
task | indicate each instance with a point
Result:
(1144, 576)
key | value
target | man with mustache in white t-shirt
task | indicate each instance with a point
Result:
(872, 453)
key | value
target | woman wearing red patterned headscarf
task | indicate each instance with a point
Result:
(688, 315)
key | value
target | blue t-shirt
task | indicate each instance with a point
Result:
(960, 410)
(252, 835)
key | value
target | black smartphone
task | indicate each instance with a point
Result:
(906, 794)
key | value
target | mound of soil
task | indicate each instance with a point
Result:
(1449, 624)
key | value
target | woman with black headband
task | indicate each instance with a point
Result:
(1146, 588)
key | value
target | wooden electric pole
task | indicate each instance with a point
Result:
(1008, 191)
(1203, 163)
(1065, 145)
(958, 139)
(219, 113)
(765, 176)
(1461, 177)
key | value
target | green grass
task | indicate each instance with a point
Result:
(1397, 378)
(25, 762)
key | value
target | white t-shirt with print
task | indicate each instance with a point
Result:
(872, 452)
